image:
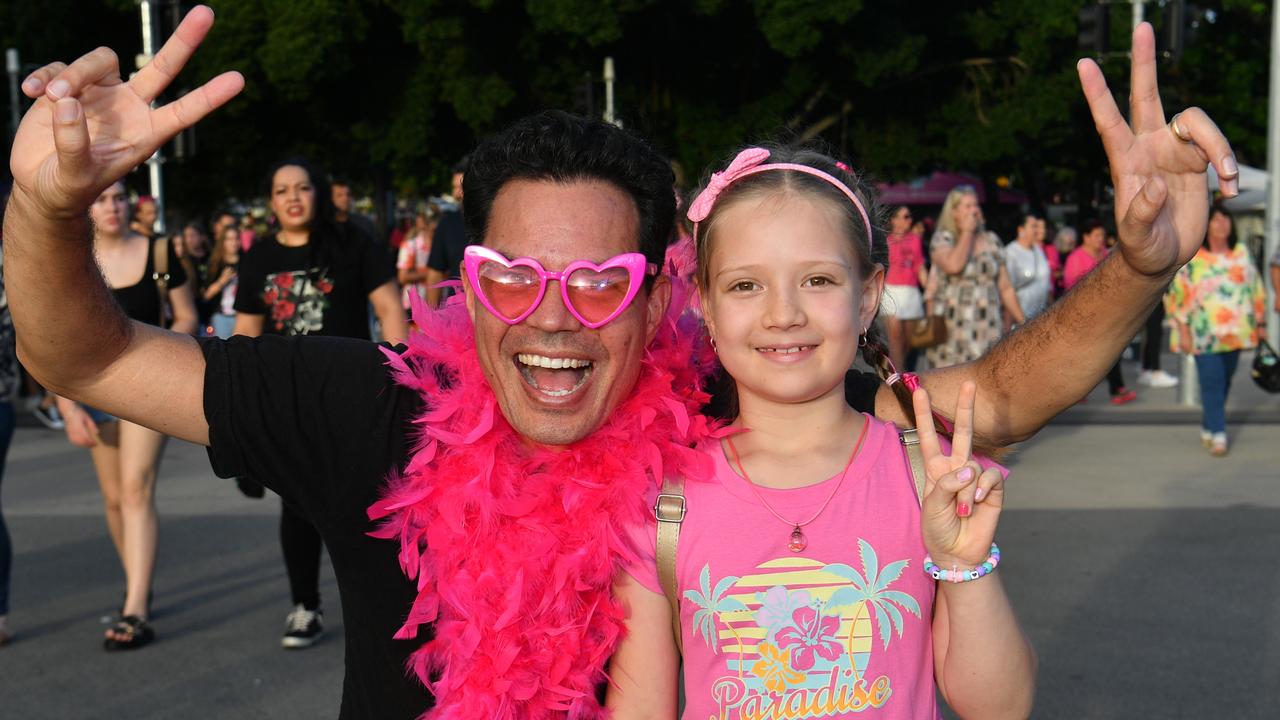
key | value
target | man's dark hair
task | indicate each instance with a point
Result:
(339, 180)
(557, 146)
(460, 167)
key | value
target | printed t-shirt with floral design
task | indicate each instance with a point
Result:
(413, 255)
(841, 629)
(1220, 297)
(298, 292)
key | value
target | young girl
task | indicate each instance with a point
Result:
(801, 569)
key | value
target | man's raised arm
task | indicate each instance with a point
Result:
(1162, 209)
(87, 129)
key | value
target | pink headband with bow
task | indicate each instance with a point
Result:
(752, 161)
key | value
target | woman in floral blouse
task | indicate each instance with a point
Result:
(1216, 304)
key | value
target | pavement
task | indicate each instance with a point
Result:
(1143, 570)
(1246, 403)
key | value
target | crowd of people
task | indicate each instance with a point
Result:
(970, 291)
(497, 489)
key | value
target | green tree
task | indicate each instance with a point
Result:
(392, 92)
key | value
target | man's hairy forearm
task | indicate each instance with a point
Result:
(1048, 364)
(69, 327)
(1045, 366)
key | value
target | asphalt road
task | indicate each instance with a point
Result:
(1144, 570)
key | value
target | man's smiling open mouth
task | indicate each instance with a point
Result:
(553, 376)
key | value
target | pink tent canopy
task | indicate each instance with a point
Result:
(932, 190)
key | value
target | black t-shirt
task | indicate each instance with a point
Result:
(447, 244)
(141, 301)
(307, 291)
(321, 422)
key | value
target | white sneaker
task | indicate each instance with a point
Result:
(1157, 379)
(1206, 438)
(1218, 445)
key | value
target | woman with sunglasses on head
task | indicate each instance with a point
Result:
(902, 301)
(312, 277)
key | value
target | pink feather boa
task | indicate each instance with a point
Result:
(514, 548)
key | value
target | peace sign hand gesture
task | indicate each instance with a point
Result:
(1157, 168)
(88, 127)
(962, 501)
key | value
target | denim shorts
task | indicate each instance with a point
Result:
(99, 416)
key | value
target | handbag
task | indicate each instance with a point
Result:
(1266, 368)
(928, 331)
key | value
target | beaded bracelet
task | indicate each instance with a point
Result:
(956, 575)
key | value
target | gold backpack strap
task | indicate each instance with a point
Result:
(670, 509)
(160, 274)
(160, 262)
(915, 458)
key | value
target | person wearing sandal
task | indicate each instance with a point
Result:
(1218, 307)
(126, 456)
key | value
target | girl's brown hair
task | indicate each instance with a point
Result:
(218, 255)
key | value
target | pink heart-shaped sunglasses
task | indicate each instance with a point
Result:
(594, 294)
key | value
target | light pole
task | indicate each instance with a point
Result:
(608, 92)
(1272, 235)
(13, 66)
(157, 158)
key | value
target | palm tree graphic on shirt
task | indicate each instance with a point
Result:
(871, 586)
(713, 604)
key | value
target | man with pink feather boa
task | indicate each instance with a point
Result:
(473, 487)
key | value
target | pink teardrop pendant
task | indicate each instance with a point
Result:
(798, 542)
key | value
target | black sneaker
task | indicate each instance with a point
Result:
(302, 628)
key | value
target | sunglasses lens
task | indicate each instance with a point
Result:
(510, 290)
(598, 294)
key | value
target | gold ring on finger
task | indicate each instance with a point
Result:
(1176, 129)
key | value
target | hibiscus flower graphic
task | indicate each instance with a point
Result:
(774, 668)
(284, 280)
(811, 634)
(777, 604)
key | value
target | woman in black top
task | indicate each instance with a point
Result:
(127, 456)
(314, 276)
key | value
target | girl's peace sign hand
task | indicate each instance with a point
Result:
(962, 501)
